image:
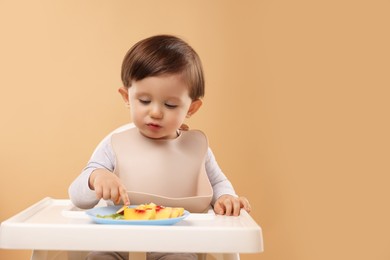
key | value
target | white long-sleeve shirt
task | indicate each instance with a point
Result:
(104, 157)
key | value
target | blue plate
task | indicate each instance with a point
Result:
(92, 213)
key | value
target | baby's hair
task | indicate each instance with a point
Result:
(164, 54)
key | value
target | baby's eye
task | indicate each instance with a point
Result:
(170, 106)
(144, 101)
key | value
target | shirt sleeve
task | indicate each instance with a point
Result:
(219, 182)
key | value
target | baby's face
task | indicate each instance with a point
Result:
(159, 105)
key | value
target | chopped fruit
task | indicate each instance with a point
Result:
(163, 212)
(150, 211)
(177, 212)
(151, 206)
(120, 211)
(141, 214)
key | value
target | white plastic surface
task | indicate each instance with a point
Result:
(54, 224)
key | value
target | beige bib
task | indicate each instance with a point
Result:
(166, 172)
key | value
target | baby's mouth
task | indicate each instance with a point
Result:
(155, 126)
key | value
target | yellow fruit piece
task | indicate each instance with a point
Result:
(139, 214)
(163, 212)
(177, 212)
(150, 206)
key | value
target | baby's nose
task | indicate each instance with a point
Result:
(156, 112)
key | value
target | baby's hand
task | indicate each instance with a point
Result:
(230, 205)
(108, 186)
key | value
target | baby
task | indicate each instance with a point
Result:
(163, 84)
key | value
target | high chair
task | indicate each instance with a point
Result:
(73, 212)
(54, 230)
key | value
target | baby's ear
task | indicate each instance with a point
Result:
(125, 94)
(195, 105)
(184, 127)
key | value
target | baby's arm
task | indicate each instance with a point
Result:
(82, 190)
(225, 200)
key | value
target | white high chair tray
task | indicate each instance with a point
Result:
(53, 224)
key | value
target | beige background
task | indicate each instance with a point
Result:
(296, 109)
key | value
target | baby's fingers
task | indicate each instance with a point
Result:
(120, 194)
(236, 207)
(107, 193)
(219, 208)
(115, 197)
(223, 206)
(99, 192)
(245, 204)
(124, 196)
